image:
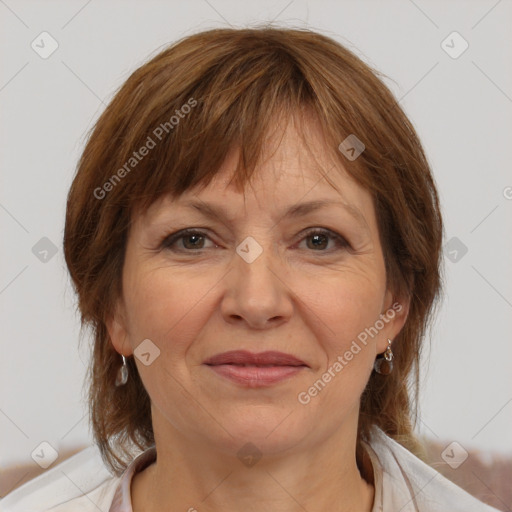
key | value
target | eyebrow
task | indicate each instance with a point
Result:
(294, 211)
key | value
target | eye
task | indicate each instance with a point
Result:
(320, 238)
(192, 240)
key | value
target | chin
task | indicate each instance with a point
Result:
(266, 427)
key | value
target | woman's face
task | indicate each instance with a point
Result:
(269, 273)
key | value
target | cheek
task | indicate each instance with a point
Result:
(164, 305)
(347, 361)
(345, 304)
(166, 308)
(345, 307)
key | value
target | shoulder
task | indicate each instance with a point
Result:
(413, 485)
(81, 482)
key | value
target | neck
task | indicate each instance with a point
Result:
(192, 476)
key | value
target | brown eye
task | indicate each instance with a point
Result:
(191, 240)
(320, 240)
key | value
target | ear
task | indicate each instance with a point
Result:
(395, 312)
(118, 332)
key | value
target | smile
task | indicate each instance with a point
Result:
(255, 370)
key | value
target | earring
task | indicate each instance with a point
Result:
(384, 365)
(122, 374)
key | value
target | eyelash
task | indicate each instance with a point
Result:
(171, 239)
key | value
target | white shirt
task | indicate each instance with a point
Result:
(82, 483)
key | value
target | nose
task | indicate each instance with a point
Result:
(257, 292)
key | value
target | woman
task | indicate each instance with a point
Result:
(254, 235)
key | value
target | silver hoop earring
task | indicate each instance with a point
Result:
(384, 364)
(122, 374)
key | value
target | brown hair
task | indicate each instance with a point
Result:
(235, 81)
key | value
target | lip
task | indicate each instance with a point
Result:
(255, 370)
(244, 357)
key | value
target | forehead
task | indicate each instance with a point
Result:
(296, 165)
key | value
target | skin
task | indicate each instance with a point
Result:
(309, 300)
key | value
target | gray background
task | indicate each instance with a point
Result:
(461, 107)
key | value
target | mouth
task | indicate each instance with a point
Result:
(255, 370)
(245, 358)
